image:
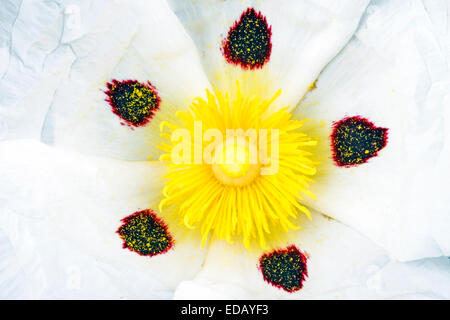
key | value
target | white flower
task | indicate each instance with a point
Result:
(70, 169)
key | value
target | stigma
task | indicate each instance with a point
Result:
(237, 162)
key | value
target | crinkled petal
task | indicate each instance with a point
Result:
(340, 261)
(421, 279)
(59, 215)
(13, 284)
(32, 64)
(438, 14)
(306, 35)
(125, 40)
(394, 74)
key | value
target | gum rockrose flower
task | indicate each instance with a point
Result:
(224, 149)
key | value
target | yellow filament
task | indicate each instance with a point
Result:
(234, 200)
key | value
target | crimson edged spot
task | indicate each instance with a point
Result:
(354, 140)
(134, 102)
(145, 233)
(248, 43)
(285, 268)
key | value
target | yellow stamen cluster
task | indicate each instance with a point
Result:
(230, 200)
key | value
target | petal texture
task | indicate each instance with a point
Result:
(32, 63)
(140, 41)
(59, 215)
(305, 36)
(421, 279)
(339, 263)
(394, 74)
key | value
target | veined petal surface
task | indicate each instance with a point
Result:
(139, 41)
(305, 36)
(394, 74)
(59, 215)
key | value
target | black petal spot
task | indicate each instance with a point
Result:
(143, 232)
(132, 101)
(248, 43)
(354, 140)
(284, 269)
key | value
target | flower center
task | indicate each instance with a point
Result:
(256, 166)
(237, 162)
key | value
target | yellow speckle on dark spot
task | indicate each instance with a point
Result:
(285, 269)
(144, 233)
(132, 101)
(354, 140)
(248, 42)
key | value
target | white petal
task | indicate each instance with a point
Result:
(393, 73)
(422, 279)
(13, 284)
(60, 212)
(437, 11)
(339, 264)
(306, 35)
(124, 40)
(32, 62)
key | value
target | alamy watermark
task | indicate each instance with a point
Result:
(238, 146)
